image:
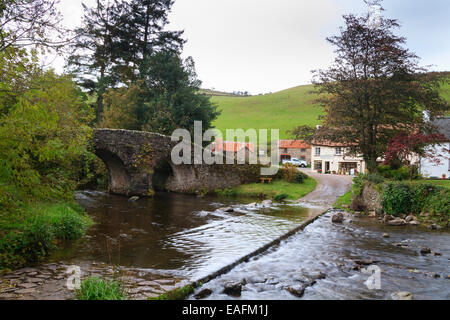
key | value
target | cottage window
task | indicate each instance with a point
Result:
(338, 150)
(302, 150)
(317, 151)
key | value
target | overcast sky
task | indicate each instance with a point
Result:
(265, 46)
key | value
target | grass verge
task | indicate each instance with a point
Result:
(99, 289)
(28, 235)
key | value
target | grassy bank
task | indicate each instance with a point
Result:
(28, 235)
(293, 190)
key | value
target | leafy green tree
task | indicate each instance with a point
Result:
(44, 132)
(115, 39)
(375, 89)
(164, 99)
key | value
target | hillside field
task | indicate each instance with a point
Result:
(282, 110)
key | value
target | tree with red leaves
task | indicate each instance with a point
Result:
(404, 147)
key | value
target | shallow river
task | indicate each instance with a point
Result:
(189, 238)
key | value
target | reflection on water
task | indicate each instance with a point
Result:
(179, 234)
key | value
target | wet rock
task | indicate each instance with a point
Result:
(357, 214)
(296, 290)
(372, 214)
(203, 294)
(414, 223)
(435, 226)
(387, 218)
(433, 274)
(227, 209)
(337, 218)
(133, 199)
(28, 285)
(317, 275)
(346, 206)
(7, 296)
(397, 222)
(148, 283)
(305, 280)
(410, 218)
(165, 281)
(272, 281)
(267, 202)
(233, 289)
(386, 235)
(437, 253)
(402, 295)
(425, 250)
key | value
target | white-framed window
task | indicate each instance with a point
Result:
(317, 151)
(338, 151)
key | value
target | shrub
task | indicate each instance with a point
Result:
(30, 240)
(404, 198)
(98, 289)
(300, 177)
(374, 178)
(397, 198)
(280, 197)
(398, 174)
(289, 172)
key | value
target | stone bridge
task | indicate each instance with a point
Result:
(140, 162)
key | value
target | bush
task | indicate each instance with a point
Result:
(280, 197)
(30, 240)
(300, 177)
(405, 198)
(98, 289)
(398, 198)
(289, 172)
(398, 174)
(374, 178)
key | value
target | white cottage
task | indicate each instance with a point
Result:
(331, 157)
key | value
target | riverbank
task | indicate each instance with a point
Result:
(29, 234)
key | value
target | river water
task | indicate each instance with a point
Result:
(189, 237)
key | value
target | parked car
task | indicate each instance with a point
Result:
(296, 162)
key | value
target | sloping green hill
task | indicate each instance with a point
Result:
(282, 110)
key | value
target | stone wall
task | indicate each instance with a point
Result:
(133, 156)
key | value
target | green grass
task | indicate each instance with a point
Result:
(176, 294)
(282, 110)
(345, 199)
(293, 190)
(99, 289)
(28, 235)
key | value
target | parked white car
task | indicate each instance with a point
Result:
(296, 162)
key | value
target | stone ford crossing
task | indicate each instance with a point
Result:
(139, 162)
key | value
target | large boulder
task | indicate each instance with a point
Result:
(233, 289)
